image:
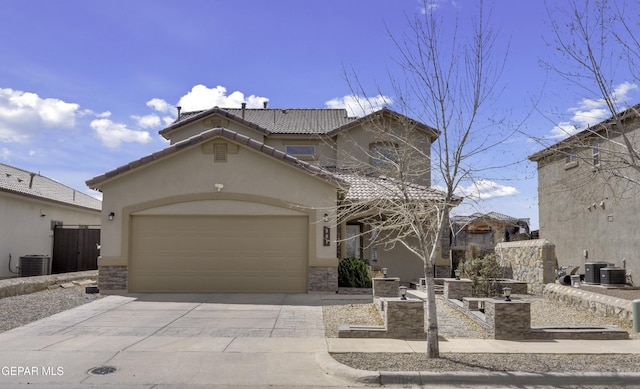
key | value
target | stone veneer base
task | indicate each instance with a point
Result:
(112, 277)
(323, 279)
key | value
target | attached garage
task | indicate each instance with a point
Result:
(251, 219)
(226, 253)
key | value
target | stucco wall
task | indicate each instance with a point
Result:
(353, 148)
(590, 216)
(24, 231)
(530, 261)
(185, 182)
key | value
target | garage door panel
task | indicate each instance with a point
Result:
(218, 254)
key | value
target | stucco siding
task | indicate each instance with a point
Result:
(589, 215)
(186, 180)
(25, 227)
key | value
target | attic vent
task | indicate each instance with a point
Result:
(220, 152)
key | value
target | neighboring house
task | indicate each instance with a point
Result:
(32, 207)
(484, 231)
(244, 200)
(588, 188)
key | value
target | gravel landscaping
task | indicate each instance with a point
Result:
(24, 309)
(454, 324)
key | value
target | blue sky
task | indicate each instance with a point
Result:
(86, 85)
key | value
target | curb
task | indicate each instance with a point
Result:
(336, 369)
(25, 285)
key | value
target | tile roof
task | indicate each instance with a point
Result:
(275, 120)
(491, 215)
(370, 188)
(224, 133)
(24, 183)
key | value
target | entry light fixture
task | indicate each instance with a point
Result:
(325, 218)
(457, 273)
(507, 293)
(111, 216)
(384, 272)
(403, 292)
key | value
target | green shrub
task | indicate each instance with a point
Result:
(483, 273)
(354, 273)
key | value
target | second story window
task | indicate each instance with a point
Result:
(383, 153)
(301, 151)
(572, 156)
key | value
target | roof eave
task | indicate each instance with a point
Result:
(49, 200)
(213, 111)
(242, 140)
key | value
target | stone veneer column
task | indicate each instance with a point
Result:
(386, 287)
(112, 278)
(404, 319)
(323, 279)
(457, 289)
(508, 319)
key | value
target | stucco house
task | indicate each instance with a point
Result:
(32, 207)
(484, 230)
(588, 189)
(244, 200)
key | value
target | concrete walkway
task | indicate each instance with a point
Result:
(165, 341)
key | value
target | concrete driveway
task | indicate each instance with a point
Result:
(173, 340)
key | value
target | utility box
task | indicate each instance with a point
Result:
(35, 265)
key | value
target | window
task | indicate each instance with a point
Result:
(596, 154)
(354, 241)
(571, 160)
(572, 156)
(301, 150)
(383, 153)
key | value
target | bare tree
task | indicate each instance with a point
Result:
(599, 50)
(449, 82)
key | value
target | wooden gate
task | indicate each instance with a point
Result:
(75, 249)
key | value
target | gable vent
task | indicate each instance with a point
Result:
(220, 152)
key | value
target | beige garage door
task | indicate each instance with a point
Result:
(245, 254)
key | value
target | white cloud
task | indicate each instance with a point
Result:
(147, 121)
(5, 153)
(201, 97)
(563, 130)
(485, 189)
(23, 114)
(161, 106)
(113, 134)
(358, 105)
(590, 112)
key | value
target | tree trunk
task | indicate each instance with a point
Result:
(433, 349)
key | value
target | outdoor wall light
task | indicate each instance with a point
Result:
(325, 218)
(403, 293)
(457, 273)
(384, 272)
(111, 216)
(507, 293)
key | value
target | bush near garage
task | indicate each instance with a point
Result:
(354, 273)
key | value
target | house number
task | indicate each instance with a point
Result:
(326, 236)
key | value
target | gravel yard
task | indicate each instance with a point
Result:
(20, 310)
